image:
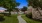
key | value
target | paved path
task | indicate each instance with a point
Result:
(21, 20)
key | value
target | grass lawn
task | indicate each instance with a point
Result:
(12, 19)
(29, 20)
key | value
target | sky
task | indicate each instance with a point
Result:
(22, 3)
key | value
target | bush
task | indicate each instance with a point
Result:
(6, 14)
(1, 17)
(29, 15)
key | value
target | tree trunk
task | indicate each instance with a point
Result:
(9, 13)
(39, 11)
(24, 12)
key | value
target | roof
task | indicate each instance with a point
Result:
(2, 8)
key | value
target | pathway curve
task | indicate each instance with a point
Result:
(21, 20)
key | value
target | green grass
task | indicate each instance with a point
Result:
(12, 19)
(28, 20)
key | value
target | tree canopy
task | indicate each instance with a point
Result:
(9, 4)
(35, 3)
(24, 9)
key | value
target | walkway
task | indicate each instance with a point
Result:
(21, 20)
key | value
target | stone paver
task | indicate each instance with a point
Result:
(21, 20)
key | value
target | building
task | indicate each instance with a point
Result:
(2, 9)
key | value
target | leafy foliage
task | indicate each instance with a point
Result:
(35, 3)
(9, 4)
(24, 9)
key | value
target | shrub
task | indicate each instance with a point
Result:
(1, 17)
(6, 14)
(29, 15)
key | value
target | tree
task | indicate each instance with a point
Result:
(17, 4)
(24, 9)
(1, 2)
(35, 4)
(9, 4)
(17, 9)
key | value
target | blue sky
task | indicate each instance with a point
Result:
(22, 3)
